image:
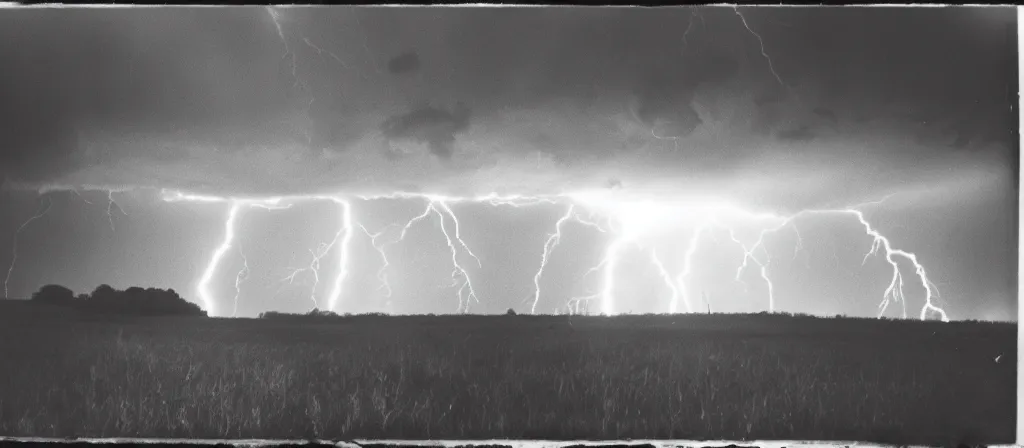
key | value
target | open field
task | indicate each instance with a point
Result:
(476, 377)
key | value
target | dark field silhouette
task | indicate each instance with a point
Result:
(71, 373)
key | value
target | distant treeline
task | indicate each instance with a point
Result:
(134, 300)
(325, 315)
(314, 315)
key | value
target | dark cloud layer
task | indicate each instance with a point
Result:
(430, 125)
(219, 97)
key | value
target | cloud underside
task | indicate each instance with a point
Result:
(468, 104)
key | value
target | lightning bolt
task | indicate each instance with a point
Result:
(203, 288)
(439, 205)
(458, 237)
(760, 41)
(590, 223)
(629, 222)
(689, 26)
(514, 201)
(343, 253)
(799, 241)
(609, 263)
(675, 140)
(242, 275)
(14, 246)
(320, 51)
(112, 203)
(75, 191)
(275, 17)
(382, 271)
(549, 245)
(314, 268)
(579, 305)
(458, 271)
(691, 250)
(666, 277)
(178, 196)
(748, 254)
(574, 303)
(895, 289)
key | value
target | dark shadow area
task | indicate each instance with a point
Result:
(342, 377)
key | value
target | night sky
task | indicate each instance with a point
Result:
(777, 109)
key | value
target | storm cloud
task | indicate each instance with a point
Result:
(220, 98)
(430, 125)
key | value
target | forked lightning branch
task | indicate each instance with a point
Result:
(627, 222)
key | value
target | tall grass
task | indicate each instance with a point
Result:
(508, 377)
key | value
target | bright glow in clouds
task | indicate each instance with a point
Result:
(641, 222)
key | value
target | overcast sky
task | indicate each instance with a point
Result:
(778, 108)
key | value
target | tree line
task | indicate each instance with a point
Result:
(313, 315)
(134, 300)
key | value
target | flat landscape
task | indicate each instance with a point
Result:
(68, 374)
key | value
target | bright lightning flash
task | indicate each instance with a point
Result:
(630, 223)
(344, 235)
(203, 288)
(346, 229)
(638, 218)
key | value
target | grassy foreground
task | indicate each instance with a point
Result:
(474, 377)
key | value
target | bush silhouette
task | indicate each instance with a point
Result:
(321, 313)
(312, 315)
(54, 294)
(510, 312)
(134, 300)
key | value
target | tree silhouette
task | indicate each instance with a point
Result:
(103, 292)
(134, 300)
(312, 315)
(54, 294)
